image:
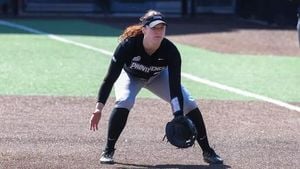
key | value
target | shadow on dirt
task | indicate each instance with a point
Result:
(173, 166)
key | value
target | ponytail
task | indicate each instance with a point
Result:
(135, 30)
(131, 31)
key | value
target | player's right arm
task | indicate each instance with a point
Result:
(117, 62)
(112, 75)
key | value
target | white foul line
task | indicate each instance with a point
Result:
(54, 37)
(186, 75)
(240, 92)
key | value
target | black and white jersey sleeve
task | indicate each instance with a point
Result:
(117, 62)
(174, 66)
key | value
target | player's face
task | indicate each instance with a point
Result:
(156, 33)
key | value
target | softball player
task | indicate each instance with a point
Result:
(146, 59)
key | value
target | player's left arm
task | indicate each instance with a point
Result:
(174, 67)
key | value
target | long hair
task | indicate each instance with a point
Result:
(131, 31)
(136, 30)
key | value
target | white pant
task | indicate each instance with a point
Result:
(127, 87)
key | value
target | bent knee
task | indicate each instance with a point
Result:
(189, 106)
(128, 104)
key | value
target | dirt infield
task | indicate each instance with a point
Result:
(53, 132)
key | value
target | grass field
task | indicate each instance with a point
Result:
(34, 64)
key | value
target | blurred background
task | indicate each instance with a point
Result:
(273, 12)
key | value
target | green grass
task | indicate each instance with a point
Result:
(36, 65)
(276, 77)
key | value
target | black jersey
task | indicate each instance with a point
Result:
(131, 56)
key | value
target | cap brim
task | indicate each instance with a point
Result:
(156, 22)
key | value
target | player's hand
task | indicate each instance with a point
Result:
(96, 116)
(94, 121)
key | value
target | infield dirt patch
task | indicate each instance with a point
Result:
(53, 132)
